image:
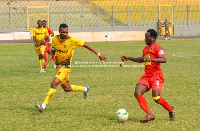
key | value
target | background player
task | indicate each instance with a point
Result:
(63, 47)
(167, 33)
(48, 41)
(39, 35)
(159, 27)
(153, 55)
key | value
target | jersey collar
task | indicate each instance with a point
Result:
(63, 39)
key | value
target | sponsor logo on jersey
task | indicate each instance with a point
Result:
(161, 52)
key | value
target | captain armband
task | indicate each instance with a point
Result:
(52, 48)
(157, 98)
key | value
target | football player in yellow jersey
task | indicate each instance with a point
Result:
(39, 35)
(63, 47)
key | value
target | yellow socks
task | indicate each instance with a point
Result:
(41, 61)
(50, 94)
(77, 88)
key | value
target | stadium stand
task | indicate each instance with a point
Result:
(120, 14)
(83, 13)
(73, 16)
(21, 3)
(145, 2)
(151, 13)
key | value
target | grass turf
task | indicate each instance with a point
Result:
(112, 88)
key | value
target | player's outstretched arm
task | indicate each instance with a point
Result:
(158, 60)
(101, 56)
(48, 59)
(138, 59)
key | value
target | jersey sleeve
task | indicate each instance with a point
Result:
(77, 42)
(160, 52)
(53, 44)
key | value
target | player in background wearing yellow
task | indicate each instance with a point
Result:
(39, 35)
(48, 41)
(63, 47)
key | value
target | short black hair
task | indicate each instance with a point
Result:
(153, 33)
(44, 21)
(63, 26)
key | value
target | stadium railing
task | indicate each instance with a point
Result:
(19, 15)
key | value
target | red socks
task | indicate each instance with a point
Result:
(143, 104)
(164, 104)
(45, 56)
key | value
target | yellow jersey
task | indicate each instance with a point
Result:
(64, 49)
(40, 34)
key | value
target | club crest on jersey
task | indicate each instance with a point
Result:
(150, 49)
(161, 52)
(65, 46)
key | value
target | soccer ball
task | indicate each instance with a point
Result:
(122, 115)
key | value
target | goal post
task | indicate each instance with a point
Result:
(35, 13)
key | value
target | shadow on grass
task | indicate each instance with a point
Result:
(114, 119)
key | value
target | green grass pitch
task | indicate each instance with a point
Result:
(112, 88)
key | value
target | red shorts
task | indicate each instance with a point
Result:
(154, 82)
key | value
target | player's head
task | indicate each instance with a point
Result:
(63, 26)
(39, 23)
(150, 36)
(44, 23)
(63, 30)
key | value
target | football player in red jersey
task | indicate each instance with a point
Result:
(48, 41)
(153, 56)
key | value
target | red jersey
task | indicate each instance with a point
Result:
(50, 31)
(153, 51)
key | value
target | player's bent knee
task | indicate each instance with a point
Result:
(66, 87)
(136, 94)
(42, 56)
(67, 90)
(156, 99)
(54, 85)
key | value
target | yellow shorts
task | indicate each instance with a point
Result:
(62, 73)
(40, 50)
